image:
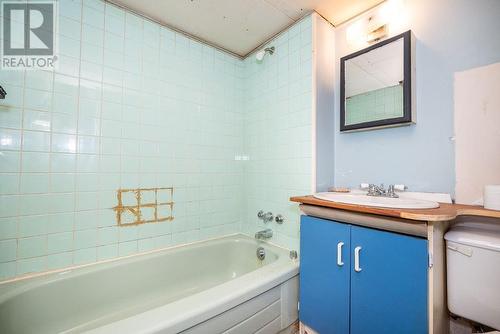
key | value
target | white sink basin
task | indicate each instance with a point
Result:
(381, 202)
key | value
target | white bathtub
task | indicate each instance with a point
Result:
(213, 286)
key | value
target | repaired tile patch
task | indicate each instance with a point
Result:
(144, 205)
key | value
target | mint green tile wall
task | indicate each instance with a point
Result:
(132, 104)
(375, 105)
(278, 132)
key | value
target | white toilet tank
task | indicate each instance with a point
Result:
(473, 272)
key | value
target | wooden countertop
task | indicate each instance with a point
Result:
(445, 212)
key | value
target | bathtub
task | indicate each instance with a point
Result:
(211, 286)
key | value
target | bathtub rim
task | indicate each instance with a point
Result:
(189, 311)
(179, 314)
(67, 270)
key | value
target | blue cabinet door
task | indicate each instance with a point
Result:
(324, 283)
(389, 289)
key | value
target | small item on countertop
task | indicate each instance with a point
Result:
(364, 186)
(339, 190)
(400, 187)
(491, 197)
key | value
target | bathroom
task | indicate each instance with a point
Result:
(205, 167)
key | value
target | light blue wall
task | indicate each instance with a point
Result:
(452, 35)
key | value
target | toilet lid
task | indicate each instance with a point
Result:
(481, 235)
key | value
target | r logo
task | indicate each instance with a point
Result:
(28, 29)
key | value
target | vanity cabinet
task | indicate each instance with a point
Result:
(361, 280)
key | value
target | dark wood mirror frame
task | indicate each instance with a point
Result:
(407, 117)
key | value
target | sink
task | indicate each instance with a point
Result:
(380, 202)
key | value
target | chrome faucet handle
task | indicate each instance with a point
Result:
(364, 186)
(265, 217)
(391, 192)
(373, 190)
(279, 219)
(268, 217)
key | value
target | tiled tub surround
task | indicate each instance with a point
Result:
(131, 105)
(136, 105)
(278, 131)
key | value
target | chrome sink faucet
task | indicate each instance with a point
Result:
(264, 234)
(380, 191)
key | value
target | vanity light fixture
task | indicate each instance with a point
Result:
(377, 34)
(388, 19)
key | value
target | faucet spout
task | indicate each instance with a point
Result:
(264, 234)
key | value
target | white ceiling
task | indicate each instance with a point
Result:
(239, 26)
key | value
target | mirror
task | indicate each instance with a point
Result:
(376, 85)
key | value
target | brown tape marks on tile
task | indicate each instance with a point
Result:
(144, 205)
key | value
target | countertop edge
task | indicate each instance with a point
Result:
(445, 212)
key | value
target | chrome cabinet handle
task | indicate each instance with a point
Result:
(357, 268)
(339, 254)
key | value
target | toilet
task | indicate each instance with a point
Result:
(473, 271)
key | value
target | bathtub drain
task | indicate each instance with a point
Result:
(261, 253)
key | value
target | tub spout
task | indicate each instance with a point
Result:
(264, 234)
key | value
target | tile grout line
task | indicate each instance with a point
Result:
(50, 165)
(123, 39)
(75, 167)
(18, 199)
(100, 134)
